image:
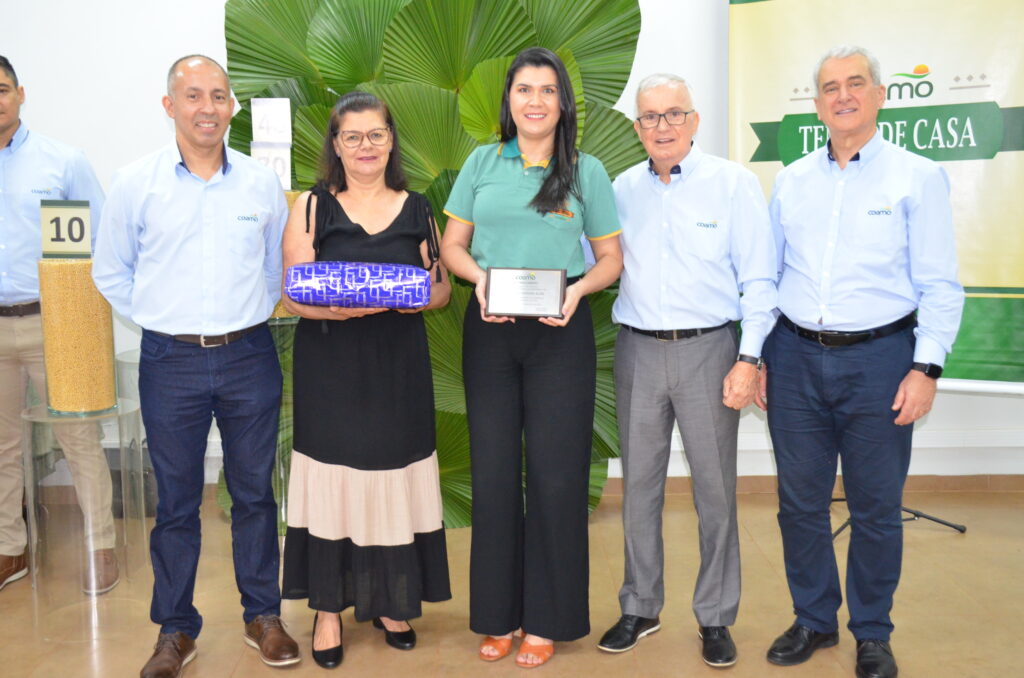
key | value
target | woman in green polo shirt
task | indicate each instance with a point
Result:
(524, 203)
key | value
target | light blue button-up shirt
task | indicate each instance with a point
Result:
(181, 255)
(862, 247)
(34, 168)
(690, 247)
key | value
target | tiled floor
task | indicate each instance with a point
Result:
(958, 609)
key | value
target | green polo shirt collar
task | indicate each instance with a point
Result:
(510, 149)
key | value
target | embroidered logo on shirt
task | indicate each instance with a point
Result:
(562, 213)
(248, 217)
(883, 212)
(707, 224)
(45, 191)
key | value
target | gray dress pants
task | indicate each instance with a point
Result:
(659, 383)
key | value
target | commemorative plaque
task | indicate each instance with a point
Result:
(526, 292)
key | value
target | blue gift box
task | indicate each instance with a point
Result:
(353, 284)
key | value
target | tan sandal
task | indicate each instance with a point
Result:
(544, 652)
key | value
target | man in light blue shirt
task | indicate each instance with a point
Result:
(190, 249)
(699, 255)
(34, 168)
(870, 306)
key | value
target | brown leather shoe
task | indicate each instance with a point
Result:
(12, 568)
(266, 633)
(101, 574)
(170, 654)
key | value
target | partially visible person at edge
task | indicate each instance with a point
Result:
(190, 250)
(35, 168)
(699, 255)
(364, 501)
(525, 202)
(869, 307)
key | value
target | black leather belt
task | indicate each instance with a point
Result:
(19, 310)
(211, 340)
(833, 338)
(672, 335)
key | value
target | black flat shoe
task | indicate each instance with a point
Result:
(718, 649)
(627, 632)
(400, 640)
(329, 658)
(875, 660)
(798, 643)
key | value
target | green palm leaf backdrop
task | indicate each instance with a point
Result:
(440, 66)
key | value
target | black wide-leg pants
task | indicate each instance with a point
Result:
(529, 387)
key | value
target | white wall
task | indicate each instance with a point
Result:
(94, 74)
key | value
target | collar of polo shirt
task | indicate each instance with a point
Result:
(510, 149)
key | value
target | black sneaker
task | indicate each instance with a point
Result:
(719, 650)
(627, 632)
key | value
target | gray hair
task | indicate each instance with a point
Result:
(661, 80)
(172, 72)
(844, 51)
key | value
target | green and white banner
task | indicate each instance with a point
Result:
(954, 78)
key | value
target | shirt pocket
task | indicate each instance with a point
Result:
(245, 235)
(707, 239)
(882, 227)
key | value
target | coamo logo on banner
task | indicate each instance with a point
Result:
(944, 132)
(911, 90)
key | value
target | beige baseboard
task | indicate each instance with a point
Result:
(65, 494)
(923, 483)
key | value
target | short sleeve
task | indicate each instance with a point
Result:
(463, 194)
(600, 220)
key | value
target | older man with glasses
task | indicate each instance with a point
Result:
(695, 236)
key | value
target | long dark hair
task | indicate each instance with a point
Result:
(332, 173)
(563, 178)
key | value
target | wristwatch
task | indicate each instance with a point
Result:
(930, 369)
(757, 362)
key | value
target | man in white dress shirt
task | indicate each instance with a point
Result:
(870, 306)
(190, 250)
(695, 237)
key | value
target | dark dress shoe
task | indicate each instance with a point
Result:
(627, 632)
(400, 640)
(797, 644)
(719, 650)
(875, 660)
(329, 658)
(266, 633)
(171, 652)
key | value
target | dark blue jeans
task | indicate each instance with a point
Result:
(824, 405)
(182, 387)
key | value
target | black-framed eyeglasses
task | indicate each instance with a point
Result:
(377, 137)
(675, 118)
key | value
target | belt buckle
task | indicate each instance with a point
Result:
(202, 342)
(666, 335)
(822, 335)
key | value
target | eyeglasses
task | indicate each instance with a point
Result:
(377, 137)
(675, 118)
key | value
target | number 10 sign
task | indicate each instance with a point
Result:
(67, 231)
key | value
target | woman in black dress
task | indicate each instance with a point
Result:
(364, 502)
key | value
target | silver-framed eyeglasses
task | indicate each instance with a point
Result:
(377, 137)
(652, 120)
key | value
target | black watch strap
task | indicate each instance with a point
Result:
(930, 369)
(744, 358)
